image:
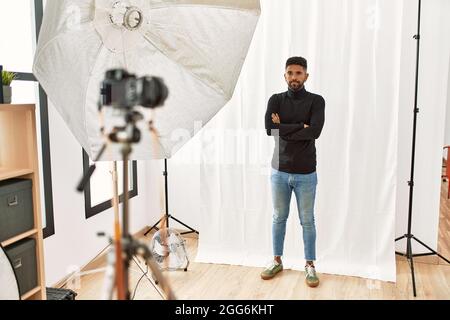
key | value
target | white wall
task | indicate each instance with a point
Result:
(75, 242)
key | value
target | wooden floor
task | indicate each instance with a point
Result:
(444, 226)
(215, 282)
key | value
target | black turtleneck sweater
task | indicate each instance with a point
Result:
(295, 149)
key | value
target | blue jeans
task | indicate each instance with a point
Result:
(304, 187)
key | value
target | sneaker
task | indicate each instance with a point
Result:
(311, 277)
(272, 270)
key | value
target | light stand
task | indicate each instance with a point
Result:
(168, 216)
(409, 236)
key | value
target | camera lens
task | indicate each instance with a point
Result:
(155, 92)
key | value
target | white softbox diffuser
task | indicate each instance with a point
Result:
(197, 46)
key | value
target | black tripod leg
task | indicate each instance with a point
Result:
(433, 251)
(192, 230)
(401, 253)
(411, 260)
(155, 226)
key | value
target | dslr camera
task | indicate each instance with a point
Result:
(123, 90)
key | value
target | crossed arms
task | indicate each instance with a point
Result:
(296, 131)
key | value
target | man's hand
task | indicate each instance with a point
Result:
(276, 118)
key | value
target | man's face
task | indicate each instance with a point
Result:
(296, 77)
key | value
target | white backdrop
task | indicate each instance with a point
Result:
(362, 60)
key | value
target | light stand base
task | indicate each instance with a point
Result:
(167, 216)
(410, 256)
(155, 227)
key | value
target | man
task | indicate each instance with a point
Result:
(296, 119)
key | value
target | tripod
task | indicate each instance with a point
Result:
(409, 236)
(168, 216)
(125, 247)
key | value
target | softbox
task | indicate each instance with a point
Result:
(198, 47)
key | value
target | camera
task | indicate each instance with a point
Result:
(123, 90)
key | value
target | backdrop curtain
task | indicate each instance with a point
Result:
(362, 60)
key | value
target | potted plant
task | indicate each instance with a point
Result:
(7, 78)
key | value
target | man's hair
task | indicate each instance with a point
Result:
(300, 61)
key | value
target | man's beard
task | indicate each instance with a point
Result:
(295, 86)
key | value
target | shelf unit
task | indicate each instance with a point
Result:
(19, 159)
